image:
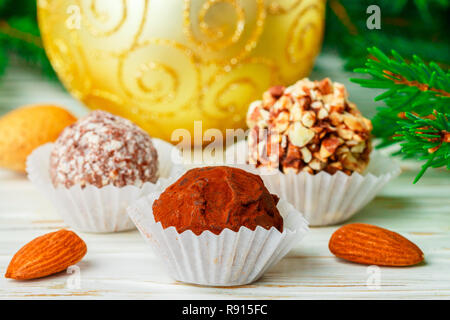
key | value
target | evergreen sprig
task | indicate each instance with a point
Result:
(427, 139)
(417, 110)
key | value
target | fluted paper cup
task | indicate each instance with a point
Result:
(323, 198)
(228, 259)
(93, 209)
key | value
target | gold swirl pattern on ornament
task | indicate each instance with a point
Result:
(296, 46)
(102, 17)
(217, 41)
(86, 75)
(275, 8)
(217, 35)
(155, 96)
(83, 89)
(217, 109)
(66, 55)
(48, 14)
(233, 85)
(59, 53)
(135, 39)
(141, 25)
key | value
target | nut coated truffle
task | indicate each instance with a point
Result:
(310, 126)
(215, 198)
(102, 149)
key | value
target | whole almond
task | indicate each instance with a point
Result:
(368, 244)
(48, 254)
(26, 128)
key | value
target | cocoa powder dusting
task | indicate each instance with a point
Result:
(215, 198)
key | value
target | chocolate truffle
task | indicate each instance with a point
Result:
(215, 198)
(310, 126)
(102, 149)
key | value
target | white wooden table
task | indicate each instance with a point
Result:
(122, 266)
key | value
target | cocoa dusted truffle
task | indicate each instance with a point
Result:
(102, 149)
(310, 126)
(215, 198)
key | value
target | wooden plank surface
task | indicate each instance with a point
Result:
(122, 265)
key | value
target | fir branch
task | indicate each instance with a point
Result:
(399, 79)
(417, 110)
(17, 34)
(426, 139)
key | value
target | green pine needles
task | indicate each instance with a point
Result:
(417, 111)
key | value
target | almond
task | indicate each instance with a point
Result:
(368, 244)
(26, 128)
(329, 146)
(299, 135)
(308, 119)
(48, 254)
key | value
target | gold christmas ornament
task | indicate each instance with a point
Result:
(166, 63)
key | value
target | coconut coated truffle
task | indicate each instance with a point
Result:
(103, 149)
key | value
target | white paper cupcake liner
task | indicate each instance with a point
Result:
(93, 209)
(228, 259)
(324, 199)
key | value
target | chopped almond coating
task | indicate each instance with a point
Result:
(308, 127)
